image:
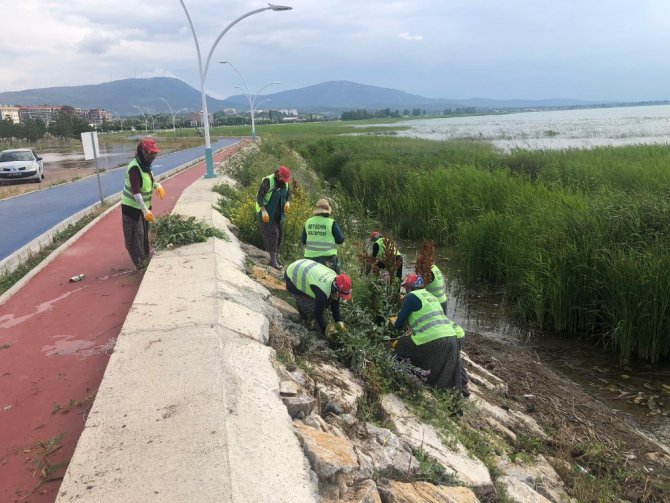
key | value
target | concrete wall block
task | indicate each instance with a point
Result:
(244, 321)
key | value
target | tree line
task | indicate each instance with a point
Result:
(64, 125)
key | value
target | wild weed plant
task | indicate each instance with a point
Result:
(174, 230)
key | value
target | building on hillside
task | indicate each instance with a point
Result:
(230, 111)
(195, 118)
(97, 115)
(9, 112)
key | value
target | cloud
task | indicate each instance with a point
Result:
(407, 36)
(96, 43)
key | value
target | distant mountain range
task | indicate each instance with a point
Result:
(123, 96)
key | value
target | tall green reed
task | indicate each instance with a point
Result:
(577, 237)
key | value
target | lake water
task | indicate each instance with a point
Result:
(559, 129)
(110, 156)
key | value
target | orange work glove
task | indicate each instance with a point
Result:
(148, 216)
(265, 216)
(159, 190)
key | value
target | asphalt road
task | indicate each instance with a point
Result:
(28, 216)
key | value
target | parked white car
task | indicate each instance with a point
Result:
(21, 164)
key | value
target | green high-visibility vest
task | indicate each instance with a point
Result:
(305, 273)
(268, 195)
(146, 189)
(429, 323)
(382, 249)
(320, 240)
(437, 287)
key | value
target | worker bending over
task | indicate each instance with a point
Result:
(434, 344)
(378, 251)
(315, 287)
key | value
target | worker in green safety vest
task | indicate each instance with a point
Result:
(433, 345)
(437, 286)
(321, 235)
(272, 203)
(315, 287)
(378, 251)
(136, 211)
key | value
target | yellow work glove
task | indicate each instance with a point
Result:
(159, 190)
(265, 216)
(394, 344)
(148, 216)
(341, 327)
(331, 329)
(392, 320)
(287, 206)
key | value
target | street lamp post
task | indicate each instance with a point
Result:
(174, 129)
(146, 125)
(120, 118)
(247, 93)
(203, 73)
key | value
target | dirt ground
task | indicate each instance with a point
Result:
(52, 176)
(587, 434)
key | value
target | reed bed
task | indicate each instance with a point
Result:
(580, 238)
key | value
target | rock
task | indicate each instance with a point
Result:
(345, 422)
(288, 388)
(417, 435)
(255, 254)
(363, 492)
(519, 492)
(539, 475)
(483, 377)
(513, 420)
(332, 458)
(332, 408)
(296, 375)
(286, 309)
(267, 278)
(313, 422)
(501, 429)
(384, 450)
(234, 229)
(301, 404)
(337, 386)
(392, 491)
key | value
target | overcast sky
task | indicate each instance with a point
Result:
(527, 49)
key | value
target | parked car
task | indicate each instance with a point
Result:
(21, 164)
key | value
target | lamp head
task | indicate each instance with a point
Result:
(279, 7)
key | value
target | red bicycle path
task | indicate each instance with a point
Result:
(55, 341)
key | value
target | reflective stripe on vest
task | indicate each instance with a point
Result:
(127, 197)
(268, 194)
(305, 273)
(436, 287)
(429, 323)
(320, 240)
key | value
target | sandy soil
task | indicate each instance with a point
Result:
(579, 421)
